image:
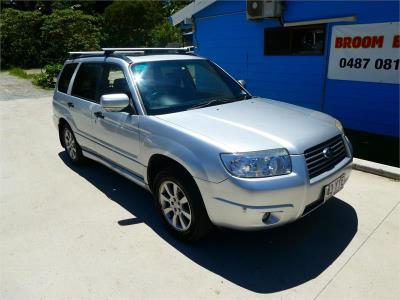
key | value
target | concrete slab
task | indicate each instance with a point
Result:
(374, 270)
(86, 232)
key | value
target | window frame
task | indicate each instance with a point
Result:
(292, 29)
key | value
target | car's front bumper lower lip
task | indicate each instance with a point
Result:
(251, 204)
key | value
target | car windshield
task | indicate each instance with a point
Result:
(177, 85)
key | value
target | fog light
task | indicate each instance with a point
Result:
(266, 217)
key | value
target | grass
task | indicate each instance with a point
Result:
(18, 72)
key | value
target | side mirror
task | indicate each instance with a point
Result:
(242, 82)
(114, 102)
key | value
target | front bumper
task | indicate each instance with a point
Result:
(242, 203)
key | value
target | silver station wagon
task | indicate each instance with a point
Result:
(209, 152)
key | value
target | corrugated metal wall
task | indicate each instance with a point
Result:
(223, 34)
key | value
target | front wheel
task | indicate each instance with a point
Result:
(181, 206)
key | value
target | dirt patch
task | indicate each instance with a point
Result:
(12, 88)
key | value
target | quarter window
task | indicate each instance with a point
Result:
(65, 77)
(86, 84)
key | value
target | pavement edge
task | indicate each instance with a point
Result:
(377, 169)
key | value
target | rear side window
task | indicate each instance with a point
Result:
(86, 83)
(65, 77)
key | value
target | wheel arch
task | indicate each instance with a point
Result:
(61, 123)
(159, 162)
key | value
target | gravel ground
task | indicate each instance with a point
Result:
(12, 88)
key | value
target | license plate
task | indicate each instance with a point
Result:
(334, 187)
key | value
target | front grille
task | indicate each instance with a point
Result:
(318, 163)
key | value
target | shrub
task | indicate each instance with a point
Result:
(20, 38)
(68, 30)
(128, 23)
(164, 33)
(47, 79)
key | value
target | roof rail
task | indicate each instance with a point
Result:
(108, 51)
(133, 51)
(75, 54)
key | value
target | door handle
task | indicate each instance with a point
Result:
(70, 104)
(99, 114)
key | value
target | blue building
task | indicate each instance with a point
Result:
(339, 57)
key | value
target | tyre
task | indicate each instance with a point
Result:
(72, 148)
(180, 205)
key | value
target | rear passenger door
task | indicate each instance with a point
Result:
(62, 101)
(85, 99)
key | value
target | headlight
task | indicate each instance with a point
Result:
(258, 164)
(339, 126)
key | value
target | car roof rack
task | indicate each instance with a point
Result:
(108, 51)
(76, 54)
(130, 51)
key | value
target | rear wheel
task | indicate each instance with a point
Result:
(72, 148)
(180, 205)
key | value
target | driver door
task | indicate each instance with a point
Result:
(117, 132)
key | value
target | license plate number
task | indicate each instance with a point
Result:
(334, 187)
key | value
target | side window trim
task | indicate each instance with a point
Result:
(72, 81)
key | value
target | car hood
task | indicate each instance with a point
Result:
(257, 124)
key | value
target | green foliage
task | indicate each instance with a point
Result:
(128, 23)
(20, 38)
(165, 33)
(46, 7)
(68, 30)
(38, 33)
(172, 6)
(47, 79)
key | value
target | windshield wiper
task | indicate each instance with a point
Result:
(212, 102)
(243, 97)
(216, 101)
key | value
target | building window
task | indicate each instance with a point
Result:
(299, 40)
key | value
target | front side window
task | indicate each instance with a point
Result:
(176, 85)
(65, 77)
(114, 81)
(87, 80)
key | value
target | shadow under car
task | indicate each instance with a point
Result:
(263, 261)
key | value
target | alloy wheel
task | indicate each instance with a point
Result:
(70, 144)
(175, 206)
